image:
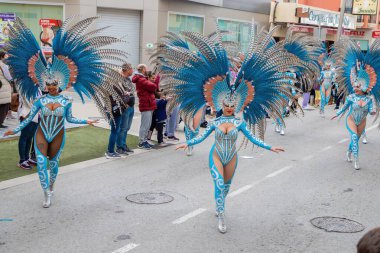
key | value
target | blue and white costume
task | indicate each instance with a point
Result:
(358, 77)
(225, 149)
(194, 78)
(79, 60)
(52, 123)
(326, 77)
(358, 106)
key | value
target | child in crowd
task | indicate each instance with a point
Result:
(159, 118)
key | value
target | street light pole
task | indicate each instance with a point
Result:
(341, 18)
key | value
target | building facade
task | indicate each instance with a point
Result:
(321, 19)
(140, 23)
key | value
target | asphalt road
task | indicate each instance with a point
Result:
(273, 198)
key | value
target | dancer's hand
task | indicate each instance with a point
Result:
(183, 146)
(277, 149)
(9, 132)
(334, 117)
(91, 122)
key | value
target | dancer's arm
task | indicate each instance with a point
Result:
(33, 111)
(370, 107)
(201, 137)
(345, 107)
(243, 127)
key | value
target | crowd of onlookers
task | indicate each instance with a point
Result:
(142, 85)
(139, 85)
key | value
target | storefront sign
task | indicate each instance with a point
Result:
(364, 7)
(302, 29)
(49, 27)
(6, 20)
(376, 34)
(347, 32)
(330, 19)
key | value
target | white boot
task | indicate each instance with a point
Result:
(282, 132)
(356, 164)
(277, 128)
(222, 223)
(365, 141)
(189, 151)
(348, 155)
(47, 201)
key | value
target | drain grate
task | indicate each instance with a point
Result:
(337, 224)
(150, 198)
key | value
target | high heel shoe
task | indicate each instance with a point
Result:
(222, 223)
(47, 201)
(356, 164)
(348, 155)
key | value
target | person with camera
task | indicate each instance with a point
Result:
(127, 115)
(117, 112)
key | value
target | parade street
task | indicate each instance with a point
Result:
(273, 198)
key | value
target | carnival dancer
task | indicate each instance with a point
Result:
(77, 62)
(357, 75)
(327, 76)
(201, 77)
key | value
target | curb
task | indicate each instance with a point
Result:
(65, 169)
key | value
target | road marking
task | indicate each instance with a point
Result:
(239, 191)
(370, 128)
(343, 141)
(279, 171)
(126, 248)
(326, 148)
(189, 216)
(308, 157)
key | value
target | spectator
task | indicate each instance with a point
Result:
(25, 147)
(147, 104)
(127, 115)
(370, 242)
(5, 97)
(159, 118)
(117, 111)
(171, 124)
(14, 95)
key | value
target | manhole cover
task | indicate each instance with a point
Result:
(337, 224)
(150, 198)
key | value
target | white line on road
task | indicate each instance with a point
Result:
(370, 128)
(189, 216)
(309, 157)
(343, 141)
(239, 191)
(326, 148)
(279, 171)
(126, 248)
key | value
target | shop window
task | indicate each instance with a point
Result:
(182, 22)
(240, 32)
(32, 13)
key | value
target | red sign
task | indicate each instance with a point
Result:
(347, 32)
(303, 29)
(376, 34)
(50, 22)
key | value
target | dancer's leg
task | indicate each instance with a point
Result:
(354, 145)
(216, 170)
(41, 149)
(323, 99)
(229, 172)
(54, 152)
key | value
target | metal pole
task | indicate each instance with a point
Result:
(341, 18)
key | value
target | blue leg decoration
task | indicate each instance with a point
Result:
(54, 164)
(42, 168)
(219, 187)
